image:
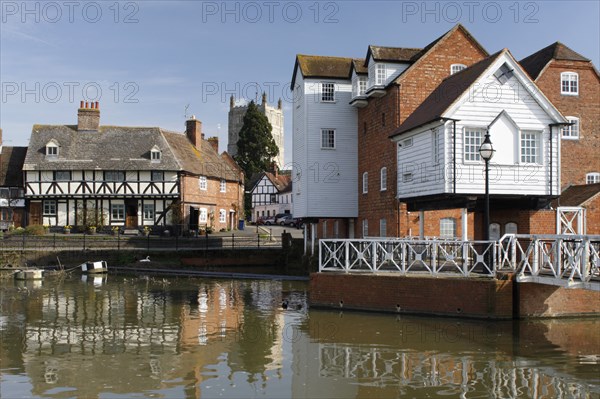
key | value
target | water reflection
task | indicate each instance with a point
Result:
(126, 336)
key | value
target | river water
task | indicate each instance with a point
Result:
(135, 337)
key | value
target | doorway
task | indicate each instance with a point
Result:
(131, 214)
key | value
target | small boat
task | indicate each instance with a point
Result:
(94, 267)
(29, 274)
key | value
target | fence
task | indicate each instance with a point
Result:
(564, 260)
(76, 242)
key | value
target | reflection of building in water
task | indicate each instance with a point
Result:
(136, 338)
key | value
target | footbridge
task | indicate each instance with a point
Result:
(571, 261)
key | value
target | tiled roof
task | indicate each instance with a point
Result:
(451, 88)
(359, 66)
(109, 148)
(281, 182)
(577, 195)
(535, 63)
(392, 54)
(204, 161)
(316, 66)
(11, 166)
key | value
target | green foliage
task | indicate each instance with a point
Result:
(256, 146)
(89, 216)
(31, 230)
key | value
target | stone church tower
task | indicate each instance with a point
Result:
(236, 121)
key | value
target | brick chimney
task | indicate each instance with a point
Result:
(193, 130)
(88, 116)
(274, 168)
(214, 142)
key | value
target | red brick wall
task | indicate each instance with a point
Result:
(578, 157)
(376, 150)
(484, 298)
(593, 215)
(540, 300)
(212, 199)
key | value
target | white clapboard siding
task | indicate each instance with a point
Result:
(487, 99)
(325, 179)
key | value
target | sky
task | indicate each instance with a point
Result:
(156, 63)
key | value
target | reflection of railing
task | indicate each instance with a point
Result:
(459, 376)
(407, 256)
(571, 260)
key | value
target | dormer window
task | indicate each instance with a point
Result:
(379, 74)
(155, 154)
(52, 149)
(454, 68)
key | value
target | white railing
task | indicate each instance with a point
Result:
(565, 260)
(408, 256)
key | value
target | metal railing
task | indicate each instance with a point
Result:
(408, 256)
(76, 242)
(565, 260)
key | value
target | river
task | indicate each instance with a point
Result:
(139, 336)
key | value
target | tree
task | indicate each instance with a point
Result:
(256, 146)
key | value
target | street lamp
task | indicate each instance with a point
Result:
(486, 151)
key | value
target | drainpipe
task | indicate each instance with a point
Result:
(558, 153)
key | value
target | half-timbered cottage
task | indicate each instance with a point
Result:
(92, 175)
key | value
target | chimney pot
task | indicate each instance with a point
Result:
(214, 142)
(97, 105)
(81, 104)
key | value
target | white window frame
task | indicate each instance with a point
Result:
(155, 156)
(525, 157)
(380, 74)
(383, 179)
(567, 88)
(454, 68)
(327, 92)
(203, 215)
(202, 183)
(328, 139)
(472, 139)
(592, 178)
(365, 228)
(49, 208)
(222, 216)
(365, 182)
(382, 228)
(362, 85)
(148, 212)
(571, 132)
(223, 186)
(52, 151)
(117, 212)
(447, 224)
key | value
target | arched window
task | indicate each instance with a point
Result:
(494, 231)
(510, 228)
(456, 68)
(383, 176)
(365, 183)
(447, 228)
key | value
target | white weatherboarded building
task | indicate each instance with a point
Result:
(438, 145)
(325, 160)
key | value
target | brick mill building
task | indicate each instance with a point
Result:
(348, 108)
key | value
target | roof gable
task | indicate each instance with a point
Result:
(316, 66)
(535, 63)
(455, 89)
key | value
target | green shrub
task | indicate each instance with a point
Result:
(35, 230)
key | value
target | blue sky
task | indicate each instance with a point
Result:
(147, 61)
